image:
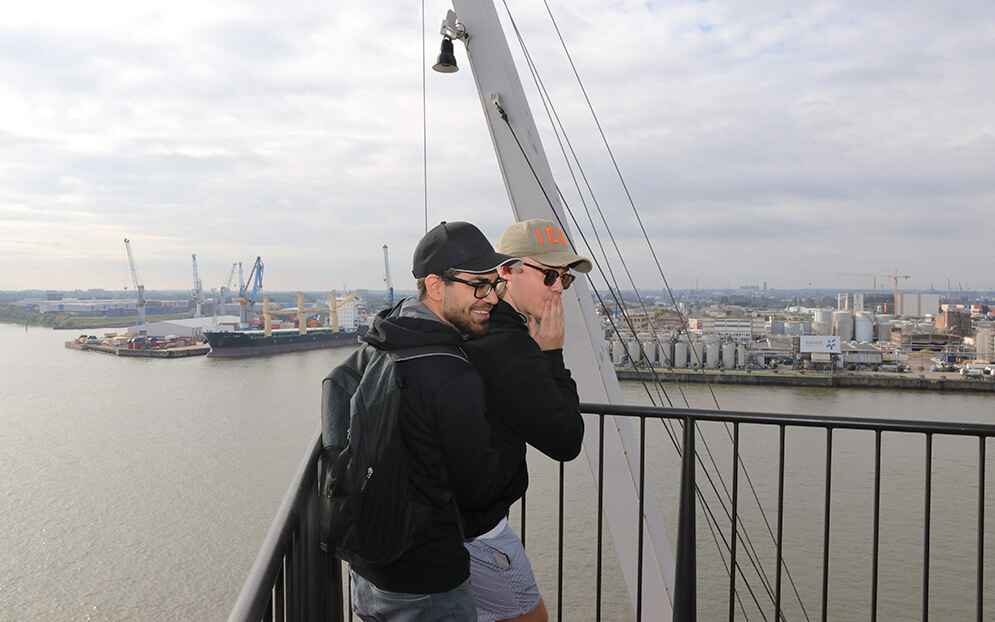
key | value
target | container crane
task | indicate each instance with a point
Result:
(139, 287)
(226, 288)
(386, 279)
(198, 290)
(894, 276)
(248, 303)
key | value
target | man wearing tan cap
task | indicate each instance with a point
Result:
(529, 390)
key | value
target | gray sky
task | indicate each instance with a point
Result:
(765, 141)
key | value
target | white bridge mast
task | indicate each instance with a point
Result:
(501, 92)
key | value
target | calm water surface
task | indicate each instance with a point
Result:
(141, 489)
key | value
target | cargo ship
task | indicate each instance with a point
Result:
(257, 342)
(272, 340)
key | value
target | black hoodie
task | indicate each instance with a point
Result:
(451, 450)
(530, 391)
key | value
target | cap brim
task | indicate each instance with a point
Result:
(488, 263)
(564, 259)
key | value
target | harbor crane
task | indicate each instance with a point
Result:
(226, 288)
(139, 287)
(894, 277)
(386, 279)
(249, 303)
(198, 290)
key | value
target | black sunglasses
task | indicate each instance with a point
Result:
(481, 289)
(551, 275)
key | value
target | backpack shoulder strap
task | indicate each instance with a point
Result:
(416, 352)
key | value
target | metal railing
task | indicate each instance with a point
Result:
(293, 580)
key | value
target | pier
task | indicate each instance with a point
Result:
(200, 349)
(868, 380)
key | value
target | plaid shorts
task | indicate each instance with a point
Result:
(501, 577)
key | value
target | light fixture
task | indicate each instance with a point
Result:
(447, 60)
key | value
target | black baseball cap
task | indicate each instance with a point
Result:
(457, 246)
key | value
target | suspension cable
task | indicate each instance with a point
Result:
(424, 115)
(557, 125)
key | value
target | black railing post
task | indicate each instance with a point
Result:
(981, 529)
(685, 590)
(322, 598)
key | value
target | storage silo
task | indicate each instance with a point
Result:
(617, 351)
(664, 353)
(649, 350)
(843, 325)
(696, 353)
(863, 326)
(728, 355)
(822, 328)
(822, 315)
(712, 356)
(680, 355)
(741, 356)
(632, 346)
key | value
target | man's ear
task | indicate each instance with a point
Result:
(434, 286)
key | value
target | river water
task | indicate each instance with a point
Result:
(139, 489)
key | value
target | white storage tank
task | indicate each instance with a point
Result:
(741, 356)
(843, 325)
(822, 315)
(696, 352)
(728, 355)
(712, 356)
(632, 346)
(822, 328)
(649, 351)
(617, 351)
(680, 354)
(665, 351)
(863, 327)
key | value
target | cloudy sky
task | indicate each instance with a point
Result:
(768, 141)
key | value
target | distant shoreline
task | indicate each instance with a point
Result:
(909, 381)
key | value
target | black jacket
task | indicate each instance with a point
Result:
(531, 392)
(451, 450)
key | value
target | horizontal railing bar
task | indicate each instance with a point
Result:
(818, 421)
(256, 591)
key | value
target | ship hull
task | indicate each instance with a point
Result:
(255, 343)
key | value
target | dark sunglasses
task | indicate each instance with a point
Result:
(481, 289)
(551, 275)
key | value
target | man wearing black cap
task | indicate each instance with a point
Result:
(452, 452)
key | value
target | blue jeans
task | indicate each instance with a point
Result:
(375, 605)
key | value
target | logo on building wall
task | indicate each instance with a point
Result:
(812, 343)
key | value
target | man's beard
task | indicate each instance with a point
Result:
(464, 321)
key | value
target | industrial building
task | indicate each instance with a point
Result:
(195, 327)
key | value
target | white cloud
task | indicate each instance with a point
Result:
(767, 141)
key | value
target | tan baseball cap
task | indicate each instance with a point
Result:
(543, 241)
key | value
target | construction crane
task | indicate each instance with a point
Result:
(256, 278)
(894, 276)
(139, 287)
(226, 288)
(198, 291)
(386, 279)
(333, 306)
